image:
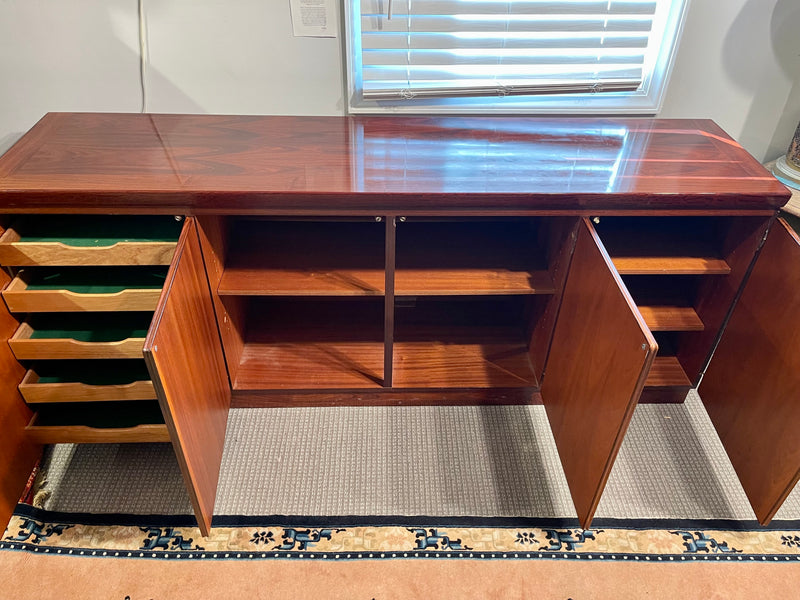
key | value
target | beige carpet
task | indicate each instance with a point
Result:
(441, 461)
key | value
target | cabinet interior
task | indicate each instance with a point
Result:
(684, 274)
(83, 292)
(308, 301)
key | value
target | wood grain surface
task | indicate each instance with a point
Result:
(18, 453)
(36, 392)
(214, 233)
(439, 363)
(471, 257)
(390, 275)
(375, 165)
(27, 348)
(321, 364)
(667, 372)
(599, 360)
(385, 397)
(21, 300)
(185, 360)
(740, 239)
(751, 387)
(671, 318)
(15, 251)
(560, 235)
(312, 343)
(304, 258)
(78, 434)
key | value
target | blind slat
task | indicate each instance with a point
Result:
(460, 24)
(500, 57)
(447, 41)
(449, 7)
(480, 47)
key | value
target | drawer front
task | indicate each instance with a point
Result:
(81, 434)
(25, 347)
(20, 300)
(103, 423)
(89, 240)
(35, 391)
(56, 254)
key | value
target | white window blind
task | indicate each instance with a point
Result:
(407, 50)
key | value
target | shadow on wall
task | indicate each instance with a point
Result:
(753, 29)
(78, 56)
(8, 140)
(786, 41)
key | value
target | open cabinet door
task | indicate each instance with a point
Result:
(185, 360)
(599, 359)
(18, 455)
(751, 388)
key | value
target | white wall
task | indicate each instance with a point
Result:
(213, 56)
(737, 64)
(63, 56)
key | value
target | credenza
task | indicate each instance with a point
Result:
(161, 269)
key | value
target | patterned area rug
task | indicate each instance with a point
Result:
(342, 538)
(423, 482)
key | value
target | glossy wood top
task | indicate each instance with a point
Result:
(378, 164)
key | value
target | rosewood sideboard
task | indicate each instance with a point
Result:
(160, 269)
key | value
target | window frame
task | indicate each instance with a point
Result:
(647, 100)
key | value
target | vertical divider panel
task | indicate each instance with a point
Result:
(18, 454)
(559, 245)
(739, 244)
(185, 360)
(214, 236)
(388, 320)
(599, 359)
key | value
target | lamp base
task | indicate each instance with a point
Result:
(786, 173)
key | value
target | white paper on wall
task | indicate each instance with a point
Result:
(314, 18)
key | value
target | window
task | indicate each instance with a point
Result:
(510, 56)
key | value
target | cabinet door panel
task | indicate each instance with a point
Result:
(185, 360)
(599, 359)
(751, 388)
(17, 453)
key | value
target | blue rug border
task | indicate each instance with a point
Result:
(407, 555)
(160, 520)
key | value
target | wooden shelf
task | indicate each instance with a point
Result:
(303, 258)
(440, 363)
(310, 365)
(470, 257)
(671, 318)
(462, 342)
(664, 246)
(463, 282)
(670, 265)
(667, 372)
(312, 344)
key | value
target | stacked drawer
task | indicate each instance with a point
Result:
(84, 289)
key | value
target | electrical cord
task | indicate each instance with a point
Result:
(143, 52)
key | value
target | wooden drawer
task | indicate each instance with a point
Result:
(44, 384)
(87, 337)
(91, 289)
(89, 240)
(112, 423)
